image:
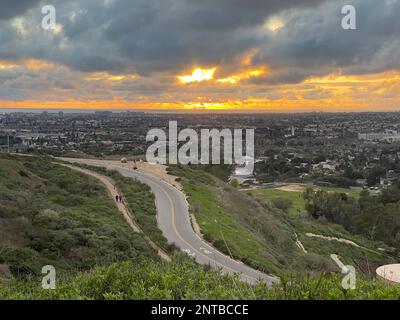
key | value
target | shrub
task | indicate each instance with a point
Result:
(283, 204)
(234, 183)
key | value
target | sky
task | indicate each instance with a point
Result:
(267, 55)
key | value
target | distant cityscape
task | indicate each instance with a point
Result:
(359, 150)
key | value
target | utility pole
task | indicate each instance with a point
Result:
(8, 143)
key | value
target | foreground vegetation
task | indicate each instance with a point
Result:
(183, 279)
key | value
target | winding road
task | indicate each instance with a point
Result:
(174, 221)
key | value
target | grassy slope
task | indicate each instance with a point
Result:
(267, 195)
(263, 236)
(50, 214)
(367, 260)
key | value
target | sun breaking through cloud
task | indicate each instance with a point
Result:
(198, 75)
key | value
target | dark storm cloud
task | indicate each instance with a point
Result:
(313, 43)
(10, 9)
(173, 34)
(151, 36)
(232, 14)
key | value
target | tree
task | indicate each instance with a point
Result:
(335, 207)
(391, 195)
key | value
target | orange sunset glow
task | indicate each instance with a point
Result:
(333, 92)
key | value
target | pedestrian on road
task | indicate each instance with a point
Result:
(116, 198)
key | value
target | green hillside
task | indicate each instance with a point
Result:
(50, 214)
(265, 237)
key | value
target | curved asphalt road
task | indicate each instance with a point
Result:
(174, 222)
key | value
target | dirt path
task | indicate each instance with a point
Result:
(110, 185)
(293, 188)
(300, 244)
(352, 243)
